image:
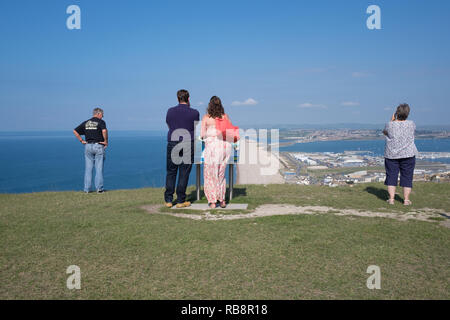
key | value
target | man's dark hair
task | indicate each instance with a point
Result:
(402, 111)
(183, 96)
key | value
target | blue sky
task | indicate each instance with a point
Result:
(271, 62)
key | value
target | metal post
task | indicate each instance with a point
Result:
(198, 170)
(231, 179)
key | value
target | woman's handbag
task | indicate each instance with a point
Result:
(229, 132)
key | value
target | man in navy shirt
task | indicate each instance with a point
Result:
(181, 121)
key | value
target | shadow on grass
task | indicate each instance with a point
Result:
(444, 215)
(381, 193)
(237, 192)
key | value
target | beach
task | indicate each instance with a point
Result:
(257, 165)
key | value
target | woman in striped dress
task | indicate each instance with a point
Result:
(216, 154)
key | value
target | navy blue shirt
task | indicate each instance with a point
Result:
(181, 116)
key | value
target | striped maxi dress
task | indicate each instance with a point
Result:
(216, 155)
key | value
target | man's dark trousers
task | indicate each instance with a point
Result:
(183, 169)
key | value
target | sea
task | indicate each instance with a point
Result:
(54, 161)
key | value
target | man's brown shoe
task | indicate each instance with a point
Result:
(168, 204)
(183, 205)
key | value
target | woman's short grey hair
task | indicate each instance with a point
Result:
(97, 111)
(402, 111)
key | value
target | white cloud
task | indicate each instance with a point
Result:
(248, 102)
(308, 105)
(350, 104)
(201, 103)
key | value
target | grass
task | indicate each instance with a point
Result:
(126, 253)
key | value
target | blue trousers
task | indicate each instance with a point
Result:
(406, 168)
(175, 168)
(94, 155)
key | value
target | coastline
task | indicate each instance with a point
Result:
(289, 143)
(39, 169)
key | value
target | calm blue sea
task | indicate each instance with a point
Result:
(54, 161)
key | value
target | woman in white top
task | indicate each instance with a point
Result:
(400, 153)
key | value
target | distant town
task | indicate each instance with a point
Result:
(351, 167)
(293, 136)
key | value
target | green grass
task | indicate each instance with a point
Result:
(126, 253)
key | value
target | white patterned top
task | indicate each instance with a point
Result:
(400, 140)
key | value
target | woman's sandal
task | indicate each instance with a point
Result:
(212, 205)
(223, 204)
(407, 203)
(390, 201)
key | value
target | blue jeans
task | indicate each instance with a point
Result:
(94, 155)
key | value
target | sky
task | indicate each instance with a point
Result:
(271, 62)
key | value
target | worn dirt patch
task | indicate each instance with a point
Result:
(425, 214)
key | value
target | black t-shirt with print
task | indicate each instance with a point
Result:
(92, 130)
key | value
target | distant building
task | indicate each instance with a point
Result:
(317, 167)
(328, 180)
(353, 163)
(357, 175)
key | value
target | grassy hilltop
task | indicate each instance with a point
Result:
(125, 252)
